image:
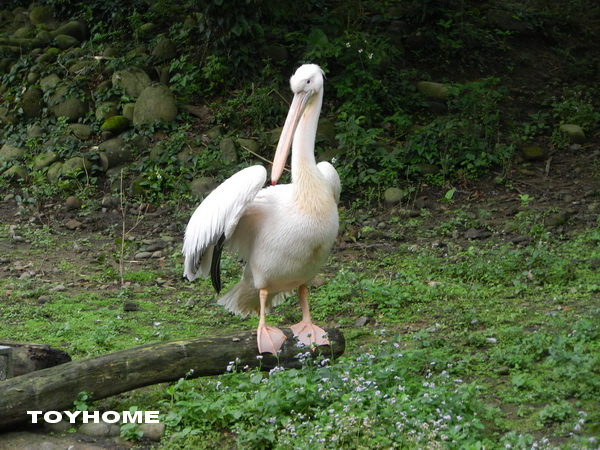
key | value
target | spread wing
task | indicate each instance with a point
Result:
(215, 220)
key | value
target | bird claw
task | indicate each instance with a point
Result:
(270, 339)
(310, 334)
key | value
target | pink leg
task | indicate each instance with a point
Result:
(306, 331)
(270, 339)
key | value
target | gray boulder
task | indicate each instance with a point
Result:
(63, 105)
(574, 133)
(155, 103)
(11, 152)
(133, 81)
(436, 91)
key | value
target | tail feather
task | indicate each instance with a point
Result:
(243, 299)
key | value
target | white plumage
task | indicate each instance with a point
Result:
(283, 233)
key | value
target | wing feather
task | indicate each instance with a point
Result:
(218, 216)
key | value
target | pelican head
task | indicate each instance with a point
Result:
(305, 83)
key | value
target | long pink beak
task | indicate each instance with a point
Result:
(287, 134)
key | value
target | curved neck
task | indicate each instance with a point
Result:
(303, 145)
(310, 188)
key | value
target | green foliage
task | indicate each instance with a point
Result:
(381, 399)
(82, 401)
(577, 106)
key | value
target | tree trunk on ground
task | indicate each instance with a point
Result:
(28, 357)
(56, 388)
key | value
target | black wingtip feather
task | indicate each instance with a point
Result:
(215, 264)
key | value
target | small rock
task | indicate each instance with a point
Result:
(43, 299)
(100, 429)
(165, 49)
(393, 196)
(155, 103)
(152, 431)
(504, 370)
(130, 307)
(58, 288)
(133, 81)
(228, 151)
(362, 321)
(157, 254)
(574, 132)
(143, 255)
(58, 427)
(156, 245)
(533, 153)
(200, 187)
(73, 202)
(436, 91)
(73, 224)
(473, 233)
(520, 240)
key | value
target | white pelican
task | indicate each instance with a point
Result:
(283, 233)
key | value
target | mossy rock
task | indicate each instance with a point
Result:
(80, 131)
(35, 131)
(436, 91)
(49, 56)
(155, 103)
(11, 152)
(74, 166)
(32, 103)
(44, 36)
(105, 110)
(128, 109)
(44, 160)
(393, 196)
(71, 108)
(574, 133)
(54, 171)
(16, 172)
(85, 65)
(248, 144)
(201, 187)
(165, 49)
(62, 105)
(147, 30)
(137, 188)
(228, 151)
(7, 117)
(533, 153)
(215, 132)
(65, 42)
(49, 82)
(28, 44)
(112, 145)
(42, 15)
(23, 32)
(133, 81)
(115, 124)
(74, 28)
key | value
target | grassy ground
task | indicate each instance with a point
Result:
(467, 343)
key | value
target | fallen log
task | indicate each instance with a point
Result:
(56, 388)
(28, 357)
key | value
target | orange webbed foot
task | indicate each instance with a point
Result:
(310, 334)
(270, 339)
